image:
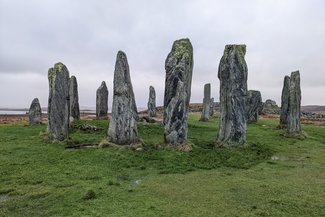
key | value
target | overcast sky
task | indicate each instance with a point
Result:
(281, 36)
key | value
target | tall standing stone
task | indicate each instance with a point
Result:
(123, 126)
(152, 102)
(254, 105)
(35, 112)
(179, 67)
(74, 99)
(58, 103)
(102, 101)
(206, 103)
(211, 109)
(294, 108)
(232, 74)
(285, 102)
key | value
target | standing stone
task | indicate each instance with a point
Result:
(211, 109)
(102, 101)
(206, 103)
(254, 105)
(179, 67)
(74, 99)
(35, 112)
(285, 102)
(152, 102)
(232, 74)
(58, 103)
(123, 126)
(294, 104)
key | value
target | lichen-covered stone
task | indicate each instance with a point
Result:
(35, 112)
(294, 108)
(254, 105)
(206, 103)
(179, 67)
(152, 102)
(285, 102)
(102, 101)
(212, 107)
(74, 99)
(232, 74)
(123, 126)
(58, 103)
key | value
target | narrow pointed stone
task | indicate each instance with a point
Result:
(35, 112)
(123, 126)
(206, 103)
(293, 123)
(232, 74)
(254, 105)
(152, 102)
(285, 102)
(58, 104)
(74, 99)
(179, 67)
(211, 110)
(102, 101)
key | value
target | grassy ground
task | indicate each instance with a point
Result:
(273, 176)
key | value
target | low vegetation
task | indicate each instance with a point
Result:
(272, 176)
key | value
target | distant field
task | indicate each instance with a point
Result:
(272, 176)
(313, 108)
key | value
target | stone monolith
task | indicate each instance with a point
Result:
(206, 103)
(179, 67)
(152, 102)
(211, 109)
(123, 126)
(293, 123)
(285, 102)
(254, 105)
(74, 99)
(102, 101)
(35, 112)
(232, 74)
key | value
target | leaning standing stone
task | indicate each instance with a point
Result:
(102, 101)
(206, 103)
(74, 99)
(123, 126)
(285, 102)
(294, 113)
(232, 74)
(152, 102)
(254, 105)
(211, 109)
(58, 107)
(35, 112)
(179, 67)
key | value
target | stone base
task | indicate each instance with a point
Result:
(302, 135)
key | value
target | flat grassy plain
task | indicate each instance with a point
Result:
(272, 176)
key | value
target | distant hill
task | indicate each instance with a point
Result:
(313, 108)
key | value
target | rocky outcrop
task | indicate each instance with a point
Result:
(232, 74)
(58, 103)
(123, 127)
(294, 108)
(254, 105)
(179, 67)
(270, 102)
(35, 112)
(74, 99)
(152, 102)
(102, 101)
(285, 102)
(212, 107)
(206, 103)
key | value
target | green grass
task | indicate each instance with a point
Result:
(273, 176)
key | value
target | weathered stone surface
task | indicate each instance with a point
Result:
(152, 102)
(35, 112)
(74, 99)
(232, 74)
(206, 103)
(179, 67)
(212, 107)
(58, 103)
(123, 127)
(270, 102)
(285, 102)
(102, 101)
(293, 121)
(254, 105)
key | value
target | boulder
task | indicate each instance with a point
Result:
(35, 112)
